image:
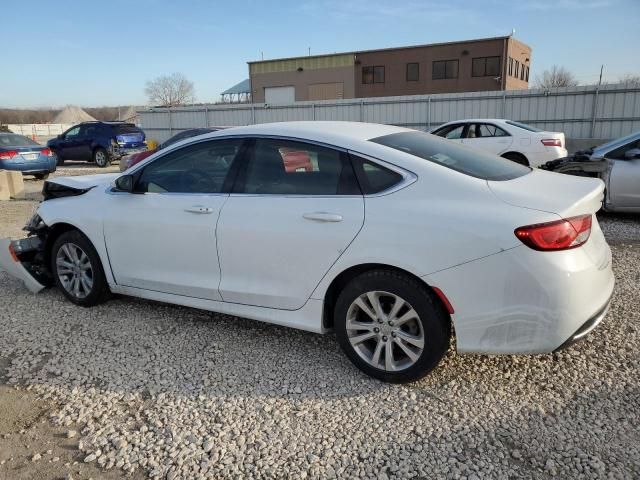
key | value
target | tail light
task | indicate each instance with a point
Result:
(560, 235)
(8, 155)
(46, 152)
(551, 142)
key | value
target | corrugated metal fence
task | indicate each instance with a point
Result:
(602, 112)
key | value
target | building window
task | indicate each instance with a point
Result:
(486, 67)
(445, 69)
(522, 71)
(516, 70)
(510, 66)
(526, 77)
(373, 74)
(413, 72)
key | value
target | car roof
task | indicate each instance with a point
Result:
(480, 120)
(332, 133)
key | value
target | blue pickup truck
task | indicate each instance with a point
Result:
(99, 142)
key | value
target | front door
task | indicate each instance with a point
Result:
(624, 179)
(162, 237)
(69, 144)
(295, 209)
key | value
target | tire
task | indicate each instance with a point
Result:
(101, 157)
(41, 176)
(92, 288)
(517, 157)
(430, 325)
(59, 160)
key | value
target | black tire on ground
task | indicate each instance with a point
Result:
(101, 158)
(99, 291)
(435, 321)
(517, 157)
(59, 160)
(41, 176)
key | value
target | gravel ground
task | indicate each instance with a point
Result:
(178, 393)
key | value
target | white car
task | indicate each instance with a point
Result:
(388, 236)
(513, 140)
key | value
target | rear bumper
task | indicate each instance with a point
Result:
(586, 327)
(30, 168)
(15, 268)
(522, 301)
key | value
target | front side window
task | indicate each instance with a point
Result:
(198, 168)
(285, 167)
(413, 72)
(373, 74)
(444, 69)
(475, 163)
(72, 133)
(630, 151)
(487, 67)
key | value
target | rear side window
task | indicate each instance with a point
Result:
(374, 178)
(475, 163)
(284, 167)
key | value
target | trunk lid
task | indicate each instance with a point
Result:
(564, 195)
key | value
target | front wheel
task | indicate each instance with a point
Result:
(77, 270)
(100, 157)
(391, 326)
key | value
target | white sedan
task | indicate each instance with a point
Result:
(512, 140)
(390, 237)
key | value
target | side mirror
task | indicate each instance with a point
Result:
(124, 183)
(632, 154)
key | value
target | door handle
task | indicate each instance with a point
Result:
(199, 209)
(323, 217)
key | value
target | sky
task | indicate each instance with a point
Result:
(99, 52)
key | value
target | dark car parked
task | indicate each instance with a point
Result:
(18, 152)
(100, 142)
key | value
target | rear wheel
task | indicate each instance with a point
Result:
(100, 157)
(517, 157)
(59, 159)
(391, 326)
(77, 270)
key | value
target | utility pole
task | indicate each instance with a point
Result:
(600, 81)
(309, 51)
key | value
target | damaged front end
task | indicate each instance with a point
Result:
(25, 259)
(580, 164)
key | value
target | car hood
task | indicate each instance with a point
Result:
(564, 195)
(85, 181)
(74, 186)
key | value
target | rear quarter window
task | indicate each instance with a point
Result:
(474, 163)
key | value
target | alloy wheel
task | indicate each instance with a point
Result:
(385, 330)
(74, 270)
(101, 158)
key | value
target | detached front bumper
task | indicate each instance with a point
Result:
(11, 263)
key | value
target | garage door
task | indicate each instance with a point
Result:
(279, 94)
(325, 91)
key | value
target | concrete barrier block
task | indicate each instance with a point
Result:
(16, 184)
(5, 193)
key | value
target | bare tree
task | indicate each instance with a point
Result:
(630, 78)
(169, 90)
(556, 77)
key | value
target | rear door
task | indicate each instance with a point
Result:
(85, 140)
(286, 224)
(488, 137)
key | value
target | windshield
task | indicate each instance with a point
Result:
(12, 140)
(123, 129)
(524, 126)
(475, 163)
(605, 147)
